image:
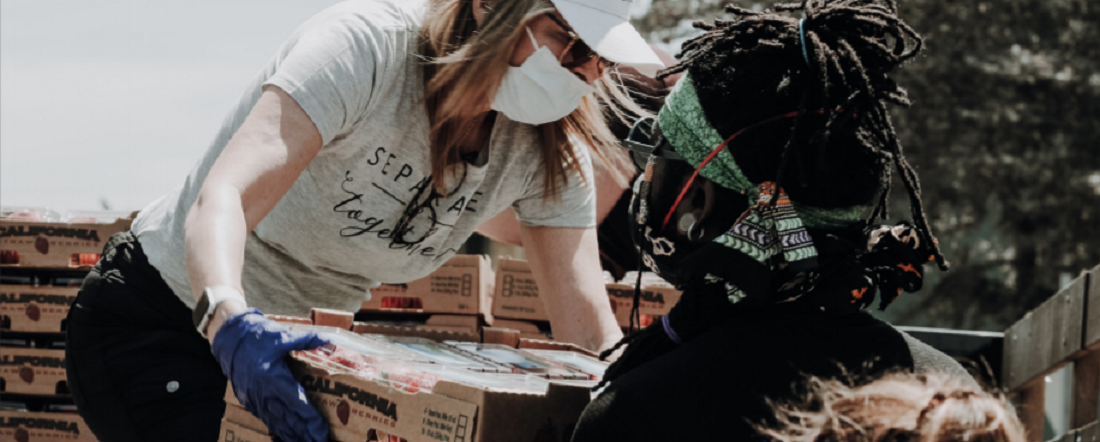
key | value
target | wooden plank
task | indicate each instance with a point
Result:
(1090, 433)
(1047, 337)
(1092, 315)
(1070, 436)
(1030, 401)
(1086, 390)
(979, 346)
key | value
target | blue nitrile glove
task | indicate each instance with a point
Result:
(251, 350)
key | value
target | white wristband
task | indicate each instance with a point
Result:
(211, 297)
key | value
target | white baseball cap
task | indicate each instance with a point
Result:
(604, 25)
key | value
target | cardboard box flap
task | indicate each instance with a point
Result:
(505, 336)
(332, 318)
(541, 344)
(436, 335)
(520, 326)
(455, 320)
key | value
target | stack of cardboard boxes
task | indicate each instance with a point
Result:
(464, 296)
(359, 409)
(464, 301)
(451, 304)
(44, 257)
(516, 302)
(516, 298)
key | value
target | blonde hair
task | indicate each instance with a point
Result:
(463, 72)
(898, 407)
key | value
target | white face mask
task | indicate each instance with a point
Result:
(540, 90)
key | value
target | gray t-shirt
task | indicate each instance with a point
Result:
(353, 68)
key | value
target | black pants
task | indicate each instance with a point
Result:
(137, 368)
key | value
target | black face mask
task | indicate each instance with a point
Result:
(664, 251)
(657, 253)
(855, 261)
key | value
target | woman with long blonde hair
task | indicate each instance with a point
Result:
(379, 137)
(899, 407)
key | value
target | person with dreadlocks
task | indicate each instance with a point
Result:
(758, 171)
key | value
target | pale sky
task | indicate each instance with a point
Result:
(118, 99)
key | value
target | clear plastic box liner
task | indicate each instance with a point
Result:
(401, 375)
(366, 345)
(414, 377)
(37, 214)
(441, 353)
(649, 279)
(574, 360)
(44, 214)
(523, 362)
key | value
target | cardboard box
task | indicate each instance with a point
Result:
(444, 323)
(34, 426)
(230, 398)
(55, 245)
(41, 309)
(331, 318)
(516, 295)
(33, 371)
(434, 334)
(655, 301)
(503, 336)
(470, 323)
(540, 344)
(290, 319)
(355, 407)
(463, 285)
(507, 417)
(234, 432)
(526, 329)
(235, 413)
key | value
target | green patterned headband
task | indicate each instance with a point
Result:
(687, 128)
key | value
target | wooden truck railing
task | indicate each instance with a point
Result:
(1064, 329)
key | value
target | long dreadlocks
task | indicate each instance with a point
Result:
(761, 64)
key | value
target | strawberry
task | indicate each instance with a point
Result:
(343, 411)
(33, 312)
(42, 244)
(26, 374)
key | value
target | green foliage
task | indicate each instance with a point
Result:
(1005, 135)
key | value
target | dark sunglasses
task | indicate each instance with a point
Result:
(577, 53)
(639, 143)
